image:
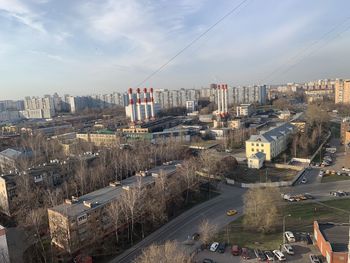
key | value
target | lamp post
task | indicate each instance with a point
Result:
(284, 228)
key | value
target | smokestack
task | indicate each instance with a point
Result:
(222, 113)
(145, 102)
(138, 105)
(152, 103)
(226, 101)
(219, 100)
(131, 104)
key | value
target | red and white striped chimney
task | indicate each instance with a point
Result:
(131, 103)
(138, 104)
(145, 102)
(226, 101)
(152, 103)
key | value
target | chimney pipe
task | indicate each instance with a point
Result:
(138, 105)
(145, 101)
(152, 104)
(131, 105)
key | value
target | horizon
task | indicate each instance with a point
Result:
(86, 48)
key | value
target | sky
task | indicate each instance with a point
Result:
(81, 47)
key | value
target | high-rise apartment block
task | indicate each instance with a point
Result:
(342, 91)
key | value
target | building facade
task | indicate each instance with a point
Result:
(333, 241)
(271, 142)
(82, 221)
(342, 91)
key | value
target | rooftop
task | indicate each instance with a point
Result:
(337, 235)
(273, 133)
(107, 194)
(11, 153)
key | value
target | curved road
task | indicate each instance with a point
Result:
(215, 211)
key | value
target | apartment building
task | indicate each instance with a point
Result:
(7, 193)
(48, 175)
(244, 110)
(342, 91)
(271, 142)
(82, 221)
(10, 159)
(345, 130)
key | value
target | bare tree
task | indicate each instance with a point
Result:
(262, 209)
(188, 175)
(132, 204)
(169, 252)
(207, 230)
(114, 212)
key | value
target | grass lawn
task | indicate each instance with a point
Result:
(243, 174)
(301, 220)
(334, 178)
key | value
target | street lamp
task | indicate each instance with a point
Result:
(284, 228)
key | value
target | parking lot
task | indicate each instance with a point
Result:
(302, 252)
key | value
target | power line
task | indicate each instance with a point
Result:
(192, 42)
(304, 50)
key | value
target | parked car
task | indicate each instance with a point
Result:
(221, 248)
(288, 248)
(304, 180)
(290, 236)
(345, 169)
(279, 255)
(308, 196)
(321, 173)
(314, 259)
(236, 250)
(245, 253)
(214, 246)
(208, 260)
(259, 255)
(231, 212)
(269, 255)
(195, 236)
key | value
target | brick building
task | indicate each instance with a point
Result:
(332, 241)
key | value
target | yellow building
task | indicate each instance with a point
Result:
(100, 139)
(271, 142)
(342, 91)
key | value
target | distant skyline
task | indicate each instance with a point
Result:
(94, 46)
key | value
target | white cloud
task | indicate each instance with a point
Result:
(47, 55)
(19, 11)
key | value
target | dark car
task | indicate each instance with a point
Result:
(221, 248)
(305, 237)
(260, 255)
(208, 260)
(245, 253)
(195, 236)
(236, 250)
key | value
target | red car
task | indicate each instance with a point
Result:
(235, 250)
(245, 253)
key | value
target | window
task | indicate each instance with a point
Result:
(252, 144)
(262, 151)
(253, 149)
(82, 219)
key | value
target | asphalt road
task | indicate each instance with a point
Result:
(311, 176)
(187, 223)
(215, 211)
